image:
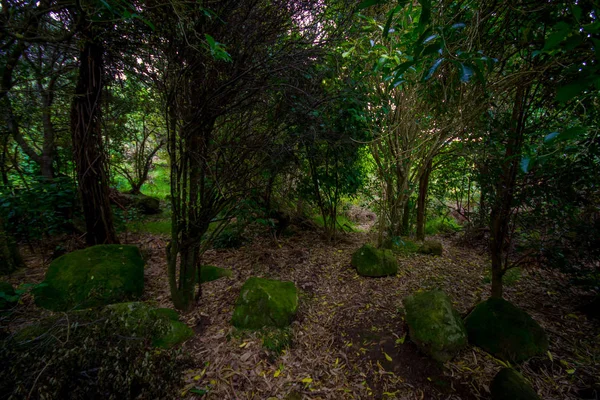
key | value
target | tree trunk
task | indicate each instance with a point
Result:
(89, 153)
(504, 188)
(405, 228)
(10, 258)
(421, 202)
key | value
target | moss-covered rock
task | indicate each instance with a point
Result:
(91, 277)
(210, 273)
(508, 384)
(147, 205)
(373, 262)
(7, 296)
(431, 247)
(172, 333)
(434, 325)
(505, 331)
(265, 302)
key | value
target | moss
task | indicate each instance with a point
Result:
(95, 276)
(431, 247)
(131, 314)
(401, 246)
(210, 273)
(434, 325)
(265, 302)
(442, 225)
(276, 340)
(147, 205)
(505, 331)
(508, 384)
(511, 277)
(373, 262)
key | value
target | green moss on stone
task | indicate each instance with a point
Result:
(505, 331)
(171, 332)
(434, 325)
(373, 262)
(265, 302)
(431, 247)
(508, 384)
(210, 273)
(95, 276)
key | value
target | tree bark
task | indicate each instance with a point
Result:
(89, 153)
(421, 202)
(505, 188)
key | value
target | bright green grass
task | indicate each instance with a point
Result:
(159, 182)
(157, 227)
(341, 220)
(441, 225)
(404, 246)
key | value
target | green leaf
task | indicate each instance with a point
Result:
(459, 25)
(567, 92)
(572, 133)
(201, 392)
(525, 164)
(466, 72)
(550, 136)
(560, 32)
(434, 68)
(425, 13)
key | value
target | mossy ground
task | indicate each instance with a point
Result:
(209, 273)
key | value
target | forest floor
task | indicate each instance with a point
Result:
(349, 340)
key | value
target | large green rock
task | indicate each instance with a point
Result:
(8, 296)
(95, 276)
(209, 273)
(431, 247)
(172, 333)
(265, 302)
(505, 331)
(508, 384)
(434, 325)
(373, 262)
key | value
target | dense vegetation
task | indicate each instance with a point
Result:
(199, 129)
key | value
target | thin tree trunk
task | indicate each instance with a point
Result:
(88, 149)
(405, 228)
(505, 187)
(10, 258)
(421, 202)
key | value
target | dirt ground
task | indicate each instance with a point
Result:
(349, 340)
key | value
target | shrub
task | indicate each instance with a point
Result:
(83, 355)
(43, 209)
(442, 225)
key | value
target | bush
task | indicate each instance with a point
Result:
(442, 225)
(43, 209)
(230, 238)
(83, 355)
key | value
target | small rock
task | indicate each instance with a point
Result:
(508, 384)
(431, 247)
(373, 262)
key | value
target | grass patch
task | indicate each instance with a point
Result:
(157, 227)
(158, 183)
(442, 225)
(511, 276)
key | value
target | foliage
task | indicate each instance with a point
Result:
(84, 355)
(442, 225)
(41, 209)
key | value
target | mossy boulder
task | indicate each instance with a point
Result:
(431, 247)
(91, 277)
(210, 273)
(434, 325)
(505, 331)
(147, 205)
(265, 302)
(8, 296)
(373, 262)
(508, 384)
(171, 334)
